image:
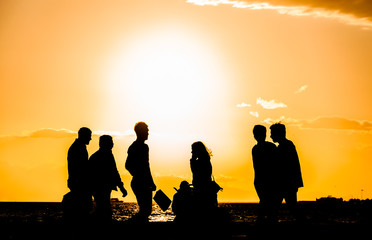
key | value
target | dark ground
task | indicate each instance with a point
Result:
(333, 220)
(168, 230)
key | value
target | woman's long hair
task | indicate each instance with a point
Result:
(201, 150)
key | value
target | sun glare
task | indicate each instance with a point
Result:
(167, 78)
(164, 75)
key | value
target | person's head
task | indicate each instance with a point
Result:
(85, 135)
(198, 149)
(184, 186)
(142, 131)
(105, 142)
(259, 133)
(277, 132)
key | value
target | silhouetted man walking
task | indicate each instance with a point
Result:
(290, 177)
(138, 165)
(264, 164)
(104, 178)
(77, 164)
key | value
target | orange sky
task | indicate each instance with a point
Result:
(193, 70)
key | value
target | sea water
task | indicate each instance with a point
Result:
(28, 212)
(121, 211)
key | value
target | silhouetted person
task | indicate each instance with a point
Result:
(104, 178)
(201, 168)
(77, 164)
(264, 164)
(183, 204)
(138, 165)
(290, 177)
(209, 222)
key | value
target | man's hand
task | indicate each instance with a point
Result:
(123, 191)
(153, 187)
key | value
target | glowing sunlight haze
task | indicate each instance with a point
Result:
(164, 74)
(193, 70)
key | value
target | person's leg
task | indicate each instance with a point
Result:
(98, 199)
(82, 201)
(291, 201)
(261, 204)
(274, 200)
(294, 209)
(106, 206)
(144, 201)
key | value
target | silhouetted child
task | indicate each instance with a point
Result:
(138, 165)
(195, 222)
(290, 177)
(264, 164)
(183, 204)
(104, 178)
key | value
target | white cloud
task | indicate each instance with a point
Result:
(243, 105)
(272, 121)
(236, 4)
(115, 133)
(62, 133)
(255, 114)
(272, 104)
(301, 89)
(48, 133)
(330, 123)
(348, 12)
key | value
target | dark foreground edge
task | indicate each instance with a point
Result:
(170, 230)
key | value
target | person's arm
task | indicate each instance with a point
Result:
(77, 160)
(122, 189)
(117, 178)
(192, 164)
(149, 175)
(296, 166)
(150, 179)
(129, 163)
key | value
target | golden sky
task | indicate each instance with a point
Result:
(193, 70)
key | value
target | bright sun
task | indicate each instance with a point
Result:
(164, 74)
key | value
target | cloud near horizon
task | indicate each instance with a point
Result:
(243, 105)
(301, 89)
(272, 104)
(331, 123)
(255, 114)
(358, 12)
(65, 133)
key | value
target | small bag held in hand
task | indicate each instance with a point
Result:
(215, 186)
(162, 200)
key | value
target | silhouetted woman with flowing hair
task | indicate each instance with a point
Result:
(201, 168)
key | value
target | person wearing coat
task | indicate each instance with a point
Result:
(104, 177)
(289, 169)
(138, 165)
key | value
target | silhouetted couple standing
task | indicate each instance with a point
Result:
(97, 176)
(277, 172)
